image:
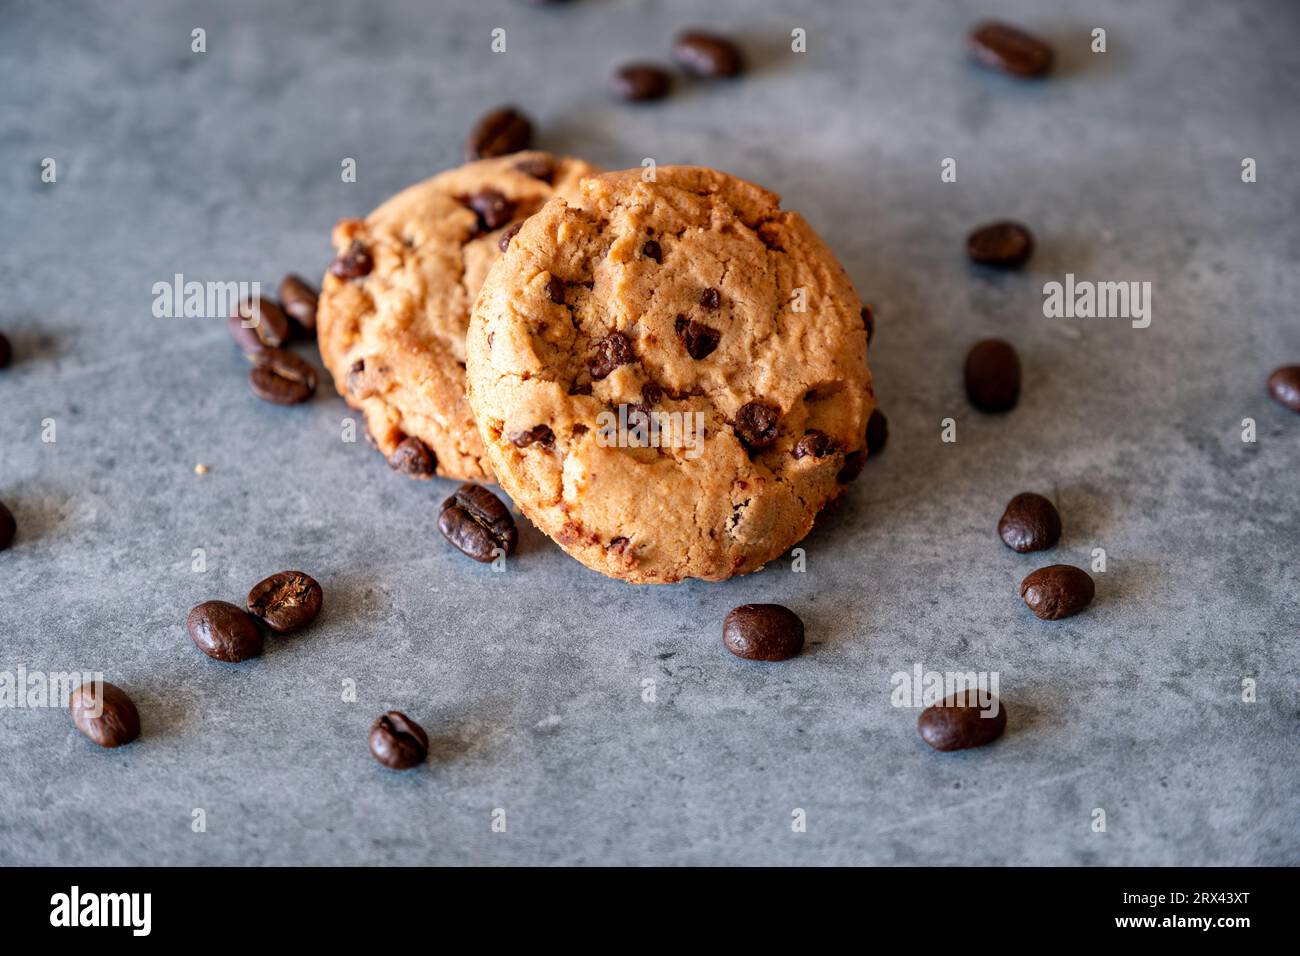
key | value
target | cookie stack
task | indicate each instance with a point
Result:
(664, 370)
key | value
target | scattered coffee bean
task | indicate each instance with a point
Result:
(815, 443)
(1011, 50)
(555, 289)
(504, 242)
(710, 298)
(539, 167)
(298, 299)
(869, 321)
(611, 352)
(268, 327)
(1057, 591)
(224, 632)
(958, 723)
(537, 435)
(992, 375)
(280, 376)
(641, 82)
(286, 602)
(493, 208)
(652, 250)
(105, 714)
(1284, 386)
(707, 54)
(397, 741)
(6, 351)
(354, 263)
(476, 522)
(763, 632)
(756, 425)
(8, 526)
(1006, 244)
(413, 458)
(503, 130)
(1030, 523)
(699, 339)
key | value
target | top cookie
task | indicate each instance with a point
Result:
(696, 299)
(395, 305)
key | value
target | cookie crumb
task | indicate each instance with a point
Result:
(200, 469)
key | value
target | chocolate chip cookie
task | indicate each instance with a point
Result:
(395, 304)
(670, 377)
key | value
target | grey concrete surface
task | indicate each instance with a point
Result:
(225, 166)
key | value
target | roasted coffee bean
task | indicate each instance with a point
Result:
(640, 83)
(699, 339)
(539, 167)
(104, 713)
(652, 250)
(707, 54)
(611, 352)
(1011, 50)
(815, 443)
(960, 722)
(710, 298)
(280, 376)
(992, 375)
(6, 351)
(504, 242)
(537, 435)
(877, 431)
(414, 458)
(1006, 244)
(298, 299)
(397, 741)
(493, 208)
(286, 602)
(756, 425)
(8, 526)
(555, 289)
(1030, 523)
(1284, 386)
(763, 632)
(504, 130)
(354, 263)
(476, 522)
(224, 632)
(267, 327)
(869, 321)
(1057, 591)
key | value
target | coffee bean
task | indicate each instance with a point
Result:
(539, 167)
(397, 741)
(503, 130)
(611, 352)
(6, 351)
(1057, 591)
(105, 714)
(992, 375)
(504, 242)
(8, 526)
(710, 298)
(707, 54)
(413, 458)
(298, 299)
(555, 289)
(763, 632)
(476, 522)
(354, 263)
(1029, 523)
(756, 425)
(280, 376)
(1006, 244)
(699, 339)
(268, 327)
(286, 602)
(815, 443)
(224, 632)
(1011, 50)
(493, 208)
(869, 321)
(1284, 386)
(652, 250)
(640, 83)
(877, 431)
(959, 722)
(537, 435)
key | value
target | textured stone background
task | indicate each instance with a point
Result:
(226, 166)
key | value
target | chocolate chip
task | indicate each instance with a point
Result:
(537, 435)
(286, 602)
(1006, 244)
(1029, 523)
(493, 208)
(710, 298)
(398, 742)
(700, 340)
(413, 457)
(555, 289)
(651, 250)
(8, 526)
(763, 632)
(504, 242)
(1011, 50)
(707, 54)
(224, 632)
(756, 425)
(854, 462)
(280, 376)
(611, 352)
(869, 321)
(539, 167)
(476, 522)
(104, 713)
(640, 82)
(1284, 387)
(354, 263)
(959, 722)
(1057, 591)
(257, 324)
(6, 351)
(992, 375)
(299, 302)
(503, 130)
(815, 443)
(877, 431)
(651, 393)
(356, 381)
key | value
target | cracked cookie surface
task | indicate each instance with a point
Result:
(395, 306)
(690, 300)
